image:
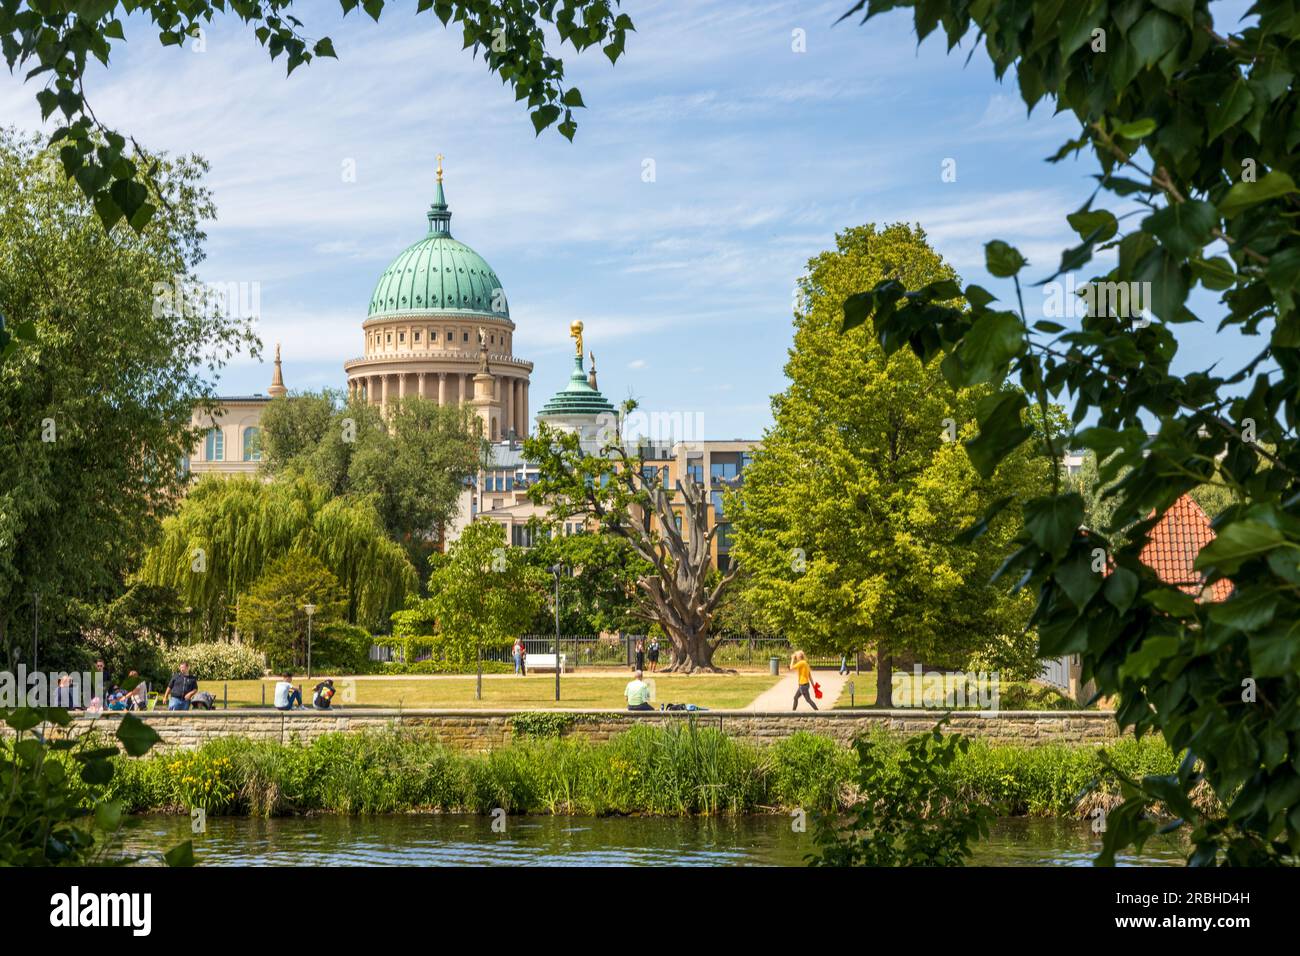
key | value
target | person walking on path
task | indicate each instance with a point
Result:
(799, 664)
(637, 693)
(521, 657)
(653, 650)
(640, 656)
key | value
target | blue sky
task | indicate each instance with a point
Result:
(684, 284)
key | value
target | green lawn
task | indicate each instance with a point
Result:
(716, 691)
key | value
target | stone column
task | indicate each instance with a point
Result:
(508, 419)
(420, 385)
(442, 388)
(527, 420)
(401, 385)
(383, 392)
(465, 393)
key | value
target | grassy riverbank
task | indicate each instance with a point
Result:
(672, 770)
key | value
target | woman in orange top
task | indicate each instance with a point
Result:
(799, 664)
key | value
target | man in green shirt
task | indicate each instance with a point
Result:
(637, 693)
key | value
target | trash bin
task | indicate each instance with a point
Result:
(774, 665)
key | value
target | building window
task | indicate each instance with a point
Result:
(417, 336)
(215, 447)
(184, 470)
(252, 443)
(716, 496)
(401, 336)
(695, 473)
(722, 471)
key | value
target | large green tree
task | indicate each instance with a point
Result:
(598, 591)
(228, 530)
(1193, 127)
(412, 464)
(95, 413)
(482, 593)
(272, 616)
(55, 42)
(846, 520)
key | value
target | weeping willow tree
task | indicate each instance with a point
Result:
(229, 529)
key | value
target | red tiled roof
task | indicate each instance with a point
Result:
(1172, 547)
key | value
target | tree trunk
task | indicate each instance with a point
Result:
(692, 652)
(884, 680)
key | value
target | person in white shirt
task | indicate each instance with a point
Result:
(287, 697)
(637, 693)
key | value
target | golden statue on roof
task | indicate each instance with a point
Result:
(575, 330)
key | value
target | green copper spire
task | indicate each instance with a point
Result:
(578, 397)
(439, 214)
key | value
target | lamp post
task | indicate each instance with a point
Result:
(310, 609)
(556, 569)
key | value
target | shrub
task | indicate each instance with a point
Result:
(342, 648)
(219, 660)
(808, 771)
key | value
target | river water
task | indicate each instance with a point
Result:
(470, 840)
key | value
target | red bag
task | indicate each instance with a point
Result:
(817, 691)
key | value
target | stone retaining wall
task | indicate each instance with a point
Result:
(484, 730)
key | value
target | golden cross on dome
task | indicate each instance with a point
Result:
(439, 158)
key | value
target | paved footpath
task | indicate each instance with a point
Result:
(780, 696)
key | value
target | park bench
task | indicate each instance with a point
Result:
(545, 662)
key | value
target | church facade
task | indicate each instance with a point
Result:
(438, 326)
(435, 312)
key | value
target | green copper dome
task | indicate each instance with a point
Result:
(577, 398)
(439, 276)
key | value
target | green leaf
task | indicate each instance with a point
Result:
(1246, 611)
(1003, 260)
(182, 854)
(857, 309)
(1096, 225)
(1053, 520)
(1184, 227)
(1230, 110)
(1121, 588)
(1153, 36)
(1136, 129)
(1238, 542)
(1172, 601)
(136, 736)
(572, 98)
(989, 346)
(1275, 651)
(108, 815)
(1001, 430)
(544, 116)
(1244, 195)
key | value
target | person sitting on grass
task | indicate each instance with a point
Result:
(637, 693)
(322, 694)
(287, 697)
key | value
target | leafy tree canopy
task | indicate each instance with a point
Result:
(228, 530)
(272, 615)
(598, 591)
(95, 413)
(55, 42)
(846, 520)
(1193, 130)
(412, 466)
